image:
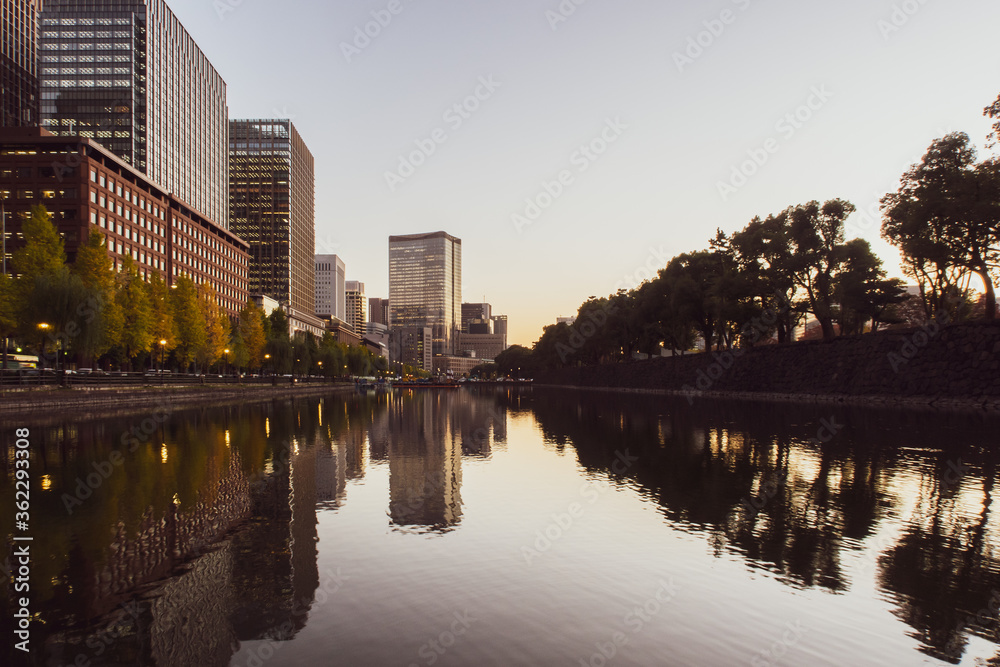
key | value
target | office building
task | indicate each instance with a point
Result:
(19, 63)
(378, 311)
(412, 346)
(88, 190)
(500, 326)
(485, 347)
(128, 75)
(425, 286)
(273, 207)
(476, 318)
(330, 287)
(357, 305)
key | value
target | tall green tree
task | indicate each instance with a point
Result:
(102, 318)
(137, 312)
(250, 331)
(215, 326)
(188, 323)
(163, 326)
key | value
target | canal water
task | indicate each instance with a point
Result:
(520, 527)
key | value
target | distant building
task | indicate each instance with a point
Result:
(412, 346)
(272, 206)
(425, 286)
(356, 305)
(19, 63)
(455, 366)
(500, 326)
(331, 287)
(128, 75)
(476, 318)
(484, 346)
(101, 194)
(378, 311)
(566, 320)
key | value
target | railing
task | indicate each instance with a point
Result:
(50, 378)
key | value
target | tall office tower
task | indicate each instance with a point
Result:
(357, 305)
(425, 286)
(272, 194)
(128, 75)
(19, 63)
(378, 311)
(330, 287)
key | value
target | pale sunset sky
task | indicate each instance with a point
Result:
(621, 120)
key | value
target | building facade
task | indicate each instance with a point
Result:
(412, 346)
(357, 305)
(378, 311)
(476, 315)
(425, 286)
(273, 207)
(128, 75)
(482, 346)
(89, 190)
(330, 287)
(19, 63)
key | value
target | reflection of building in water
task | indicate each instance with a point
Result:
(425, 464)
(331, 475)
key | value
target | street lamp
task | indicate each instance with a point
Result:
(43, 328)
(267, 357)
(226, 370)
(163, 349)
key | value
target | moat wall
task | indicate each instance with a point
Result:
(957, 365)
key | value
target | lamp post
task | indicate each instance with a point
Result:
(163, 349)
(267, 358)
(42, 327)
(225, 370)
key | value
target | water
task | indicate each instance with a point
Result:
(502, 528)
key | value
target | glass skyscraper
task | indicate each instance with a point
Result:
(425, 286)
(19, 63)
(128, 75)
(272, 193)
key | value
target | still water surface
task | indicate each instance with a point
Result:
(512, 528)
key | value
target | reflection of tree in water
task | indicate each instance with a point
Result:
(748, 478)
(944, 569)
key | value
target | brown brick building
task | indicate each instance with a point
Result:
(87, 189)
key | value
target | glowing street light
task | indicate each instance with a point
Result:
(163, 349)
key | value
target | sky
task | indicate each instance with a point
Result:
(593, 140)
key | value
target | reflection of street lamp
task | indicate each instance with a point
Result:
(43, 328)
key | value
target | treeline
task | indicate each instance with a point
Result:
(760, 283)
(88, 313)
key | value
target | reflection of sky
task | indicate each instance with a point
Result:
(654, 188)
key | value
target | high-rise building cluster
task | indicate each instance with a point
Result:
(114, 119)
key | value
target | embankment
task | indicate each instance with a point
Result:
(100, 401)
(951, 367)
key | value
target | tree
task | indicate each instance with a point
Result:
(863, 292)
(137, 313)
(8, 312)
(250, 331)
(188, 322)
(692, 279)
(215, 326)
(43, 251)
(945, 218)
(103, 319)
(817, 235)
(163, 326)
(517, 361)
